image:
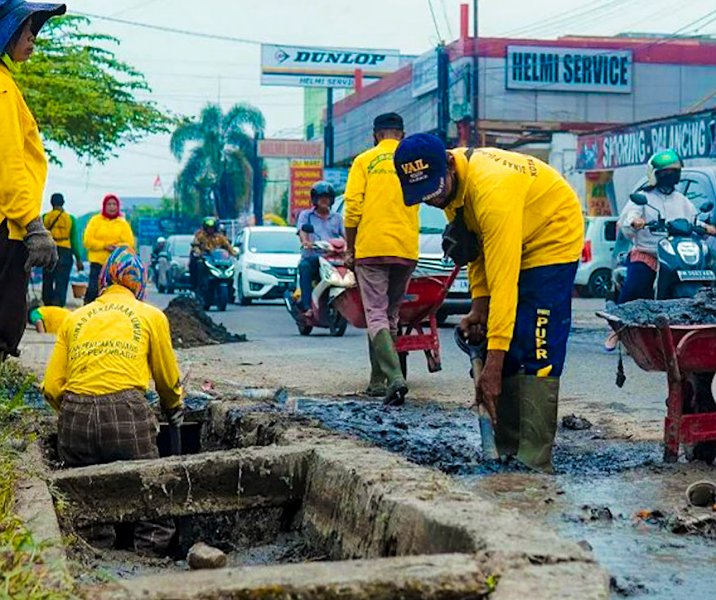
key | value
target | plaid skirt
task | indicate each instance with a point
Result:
(100, 429)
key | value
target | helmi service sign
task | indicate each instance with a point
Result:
(302, 66)
(568, 69)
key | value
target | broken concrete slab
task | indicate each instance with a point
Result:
(564, 581)
(437, 577)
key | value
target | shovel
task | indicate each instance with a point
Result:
(487, 432)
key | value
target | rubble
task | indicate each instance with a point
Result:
(699, 310)
(191, 326)
(203, 556)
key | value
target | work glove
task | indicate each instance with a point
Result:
(175, 416)
(41, 248)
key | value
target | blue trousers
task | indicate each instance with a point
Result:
(543, 321)
(639, 283)
(308, 271)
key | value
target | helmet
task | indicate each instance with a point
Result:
(209, 222)
(666, 159)
(322, 188)
(161, 240)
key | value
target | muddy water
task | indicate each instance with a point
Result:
(599, 487)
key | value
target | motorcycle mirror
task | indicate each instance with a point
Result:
(237, 250)
(707, 207)
(638, 199)
(307, 228)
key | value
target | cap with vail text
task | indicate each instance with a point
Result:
(388, 121)
(421, 163)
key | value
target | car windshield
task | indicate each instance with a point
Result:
(432, 220)
(182, 246)
(274, 242)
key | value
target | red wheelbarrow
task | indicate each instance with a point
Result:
(682, 351)
(418, 327)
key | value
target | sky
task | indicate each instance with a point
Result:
(185, 73)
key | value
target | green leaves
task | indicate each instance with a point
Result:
(84, 98)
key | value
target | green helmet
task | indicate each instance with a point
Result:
(209, 222)
(666, 159)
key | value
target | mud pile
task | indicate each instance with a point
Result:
(191, 326)
(699, 310)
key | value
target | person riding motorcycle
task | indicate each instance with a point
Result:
(205, 240)
(327, 225)
(663, 171)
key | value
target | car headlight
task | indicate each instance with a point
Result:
(258, 267)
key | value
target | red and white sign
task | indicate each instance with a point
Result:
(290, 149)
(304, 173)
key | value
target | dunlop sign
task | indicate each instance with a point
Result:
(569, 69)
(302, 66)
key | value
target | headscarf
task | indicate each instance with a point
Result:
(124, 267)
(106, 199)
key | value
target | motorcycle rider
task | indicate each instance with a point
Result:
(525, 225)
(205, 240)
(663, 172)
(327, 225)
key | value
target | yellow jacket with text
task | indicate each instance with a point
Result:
(102, 232)
(23, 165)
(526, 216)
(113, 344)
(52, 317)
(374, 205)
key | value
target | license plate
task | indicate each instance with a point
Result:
(460, 285)
(696, 275)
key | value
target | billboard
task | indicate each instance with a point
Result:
(307, 66)
(560, 69)
(692, 136)
(290, 149)
(303, 174)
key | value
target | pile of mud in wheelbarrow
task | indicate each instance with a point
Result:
(677, 337)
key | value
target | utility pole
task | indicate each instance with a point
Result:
(443, 92)
(475, 75)
(328, 130)
(258, 181)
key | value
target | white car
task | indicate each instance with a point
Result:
(267, 263)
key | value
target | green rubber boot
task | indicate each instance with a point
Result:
(377, 387)
(507, 429)
(387, 359)
(538, 421)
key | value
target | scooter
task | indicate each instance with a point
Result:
(217, 281)
(683, 256)
(335, 277)
(160, 271)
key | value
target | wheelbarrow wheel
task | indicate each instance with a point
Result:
(403, 356)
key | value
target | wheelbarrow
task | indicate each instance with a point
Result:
(682, 351)
(418, 326)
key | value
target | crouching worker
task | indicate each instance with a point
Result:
(97, 377)
(47, 319)
(529, 224)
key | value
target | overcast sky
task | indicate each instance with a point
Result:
(186, 72)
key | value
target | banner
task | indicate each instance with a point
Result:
(303, 174)
(601, 199)
(307, 66)
(692, 136)
(560, 69)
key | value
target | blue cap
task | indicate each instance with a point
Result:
(13, 13)
(421, 163)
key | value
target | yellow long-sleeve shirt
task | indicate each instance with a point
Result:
(112, 344)
(374, 205)
(102, 232)
(526, 215)
(23, 165)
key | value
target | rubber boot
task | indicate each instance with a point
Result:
(387, 359)
(538, 421)
(507, 429)
(377, 387)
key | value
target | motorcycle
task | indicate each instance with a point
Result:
(217, 279)
(160, 271)
(683, 256)
(334, 278)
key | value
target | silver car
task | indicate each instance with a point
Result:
(594, 273)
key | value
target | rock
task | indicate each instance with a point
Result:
(576, 423)
(203, 556)
(585, 545)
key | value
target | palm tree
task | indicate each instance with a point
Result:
(217, 172)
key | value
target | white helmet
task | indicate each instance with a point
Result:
(161, 240)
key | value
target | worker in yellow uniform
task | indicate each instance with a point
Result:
(104, 232)
(47, 319)
(526, 226)
(97, 377)
(382, 239)
(63, 229)
(24, 241)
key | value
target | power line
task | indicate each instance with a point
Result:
(447, 21)
(435, 21)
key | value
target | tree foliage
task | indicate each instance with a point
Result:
(82, 96)
(216, 177)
